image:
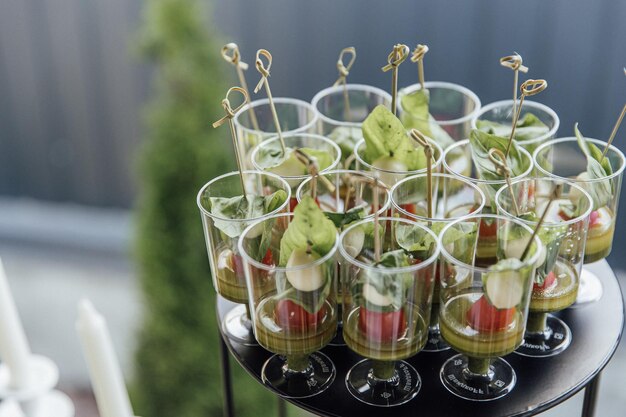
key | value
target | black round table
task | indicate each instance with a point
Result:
(542, 383)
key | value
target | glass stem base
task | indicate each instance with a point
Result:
(589, 290)
(237, 326)
(477, 379)
(383, 383)
(298, 376)
(546, 335)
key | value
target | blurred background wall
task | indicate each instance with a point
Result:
(71, 89)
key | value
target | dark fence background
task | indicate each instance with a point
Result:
(71, 89)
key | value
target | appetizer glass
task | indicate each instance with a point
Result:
(562, 159)
(391, 177)
(386, 310)
(452, 198)
(484, 309)
(295, 116)
(342, 123)
(451, 105)
(293, 324)
(563, 234)
(287, 171)
(502, 112)
(359, 206)
(221, 235)
(457, 161)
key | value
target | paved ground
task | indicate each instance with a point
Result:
(56, 255)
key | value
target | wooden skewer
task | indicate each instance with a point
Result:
(554, 195)
(499, 160)
(344, 70)
(265, 73)
(418, 56)
(514, 62)
(376, 187)
(230, 52)
(528, 88)
(396, 57)
(420, 138)
(615, 129)
(230, 113)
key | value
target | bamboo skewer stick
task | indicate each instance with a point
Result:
(418, 57)
(230, 113)
(420, 138)
(264, 82)
(615, 129)
(344, 70)
(230, 52)
(554, 195)
(528, 88)
(396, 57)
(499, 160)
(514, 62)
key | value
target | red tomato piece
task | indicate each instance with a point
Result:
(409, 208)
(593, 218)
(382, 327)
(293, 203)
(547, 282)
(484, 317)
(289, 315)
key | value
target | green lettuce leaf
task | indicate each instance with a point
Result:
(412, 238)
(385, 136)
(597, 167)
(272, 157)
(528, 127)
(341, 220)
(241, 208)
(309, 226)
(415, 105)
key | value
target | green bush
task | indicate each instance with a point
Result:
(177, 361)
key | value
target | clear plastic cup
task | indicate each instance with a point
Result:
(295, 116)
(483, 310)
(452, 198)
(391, 177)
(386, 309)
(451, 105)
(343, 123)
(221, 235)
(502, 112)
(563, 234)
(293, 141)
(289, 322)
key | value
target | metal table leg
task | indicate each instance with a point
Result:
(591, 396)
(229, 410)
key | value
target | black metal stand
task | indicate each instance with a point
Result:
(591, 396)
(226, 380)
(542, 383)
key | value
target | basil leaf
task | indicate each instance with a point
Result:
(343, 219)
(241, 208)
(527, 128)
(391, 285)
(309, 226)
(385, 136)
(601, 191)
(415, 105)
(272, 157)
(413, 238)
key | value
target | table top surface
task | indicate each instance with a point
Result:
(542, 383)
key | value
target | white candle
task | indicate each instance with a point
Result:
(106, 376)
(14, 349)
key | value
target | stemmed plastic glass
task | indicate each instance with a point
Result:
(295, 116)
(345, 198)
(221, 235)
(502, 112)
(564, 160)
(341, 121)
(457, 161)
(484, 308)
(451, 198)
(293, 324)
(391, 177)
(386, 306)
(563, 234)
(451, 105)
(293, 141)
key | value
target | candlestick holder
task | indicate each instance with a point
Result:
(39, 398)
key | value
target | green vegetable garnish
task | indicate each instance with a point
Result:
(309, 227)
(242, 208)
(386, 137)
(527, 128)
(416, 106)
(341, 220)
(346, 138)
(597, 167)
(271, 157)
(551, 237)
(390, 286)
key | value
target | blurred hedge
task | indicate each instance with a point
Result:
(177, 370)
